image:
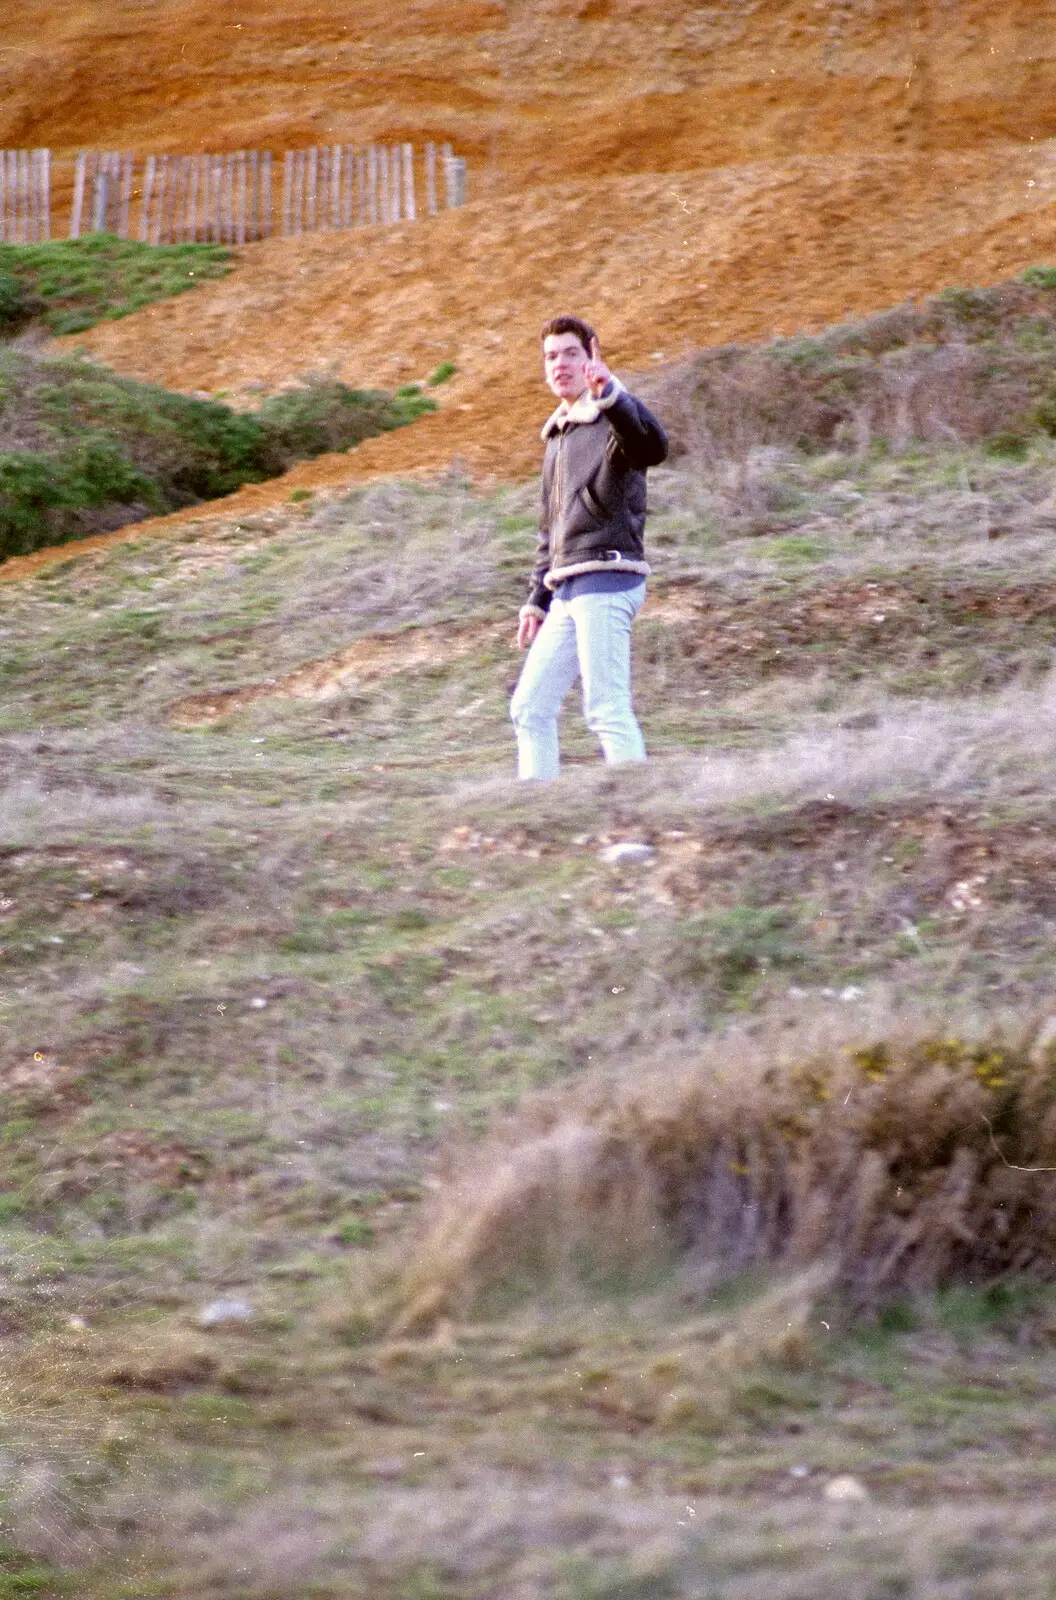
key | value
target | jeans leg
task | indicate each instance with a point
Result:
(603, 636)
(548, 673)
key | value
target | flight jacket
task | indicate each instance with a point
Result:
(592, 516)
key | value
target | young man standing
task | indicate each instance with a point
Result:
(588, 582)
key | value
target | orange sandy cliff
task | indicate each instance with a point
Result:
(681, 175)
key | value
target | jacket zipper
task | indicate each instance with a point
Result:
(558, 500)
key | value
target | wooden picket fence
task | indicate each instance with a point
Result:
(231, 198)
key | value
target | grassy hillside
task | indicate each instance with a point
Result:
(67, 285)
(84, 450)
(281, 942)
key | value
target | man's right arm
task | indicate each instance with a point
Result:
(533, 613)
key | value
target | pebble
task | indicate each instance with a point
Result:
(627, 853)
(219, 1311)
(845, 1490)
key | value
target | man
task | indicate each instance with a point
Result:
(588, 582)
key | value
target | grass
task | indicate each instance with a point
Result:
(296, 985)
(67, 285)
(84, 450)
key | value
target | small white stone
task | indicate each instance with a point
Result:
(627, 853)
(258, 1002)
(219, 1311)
(845, 1490)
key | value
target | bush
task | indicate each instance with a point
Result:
(901, 1165)
(323, 414)
(44, 498)
(17, 305)
(83, 450)
(968, 365)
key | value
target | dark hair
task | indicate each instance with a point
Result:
(582, 330)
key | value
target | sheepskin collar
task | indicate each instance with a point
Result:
(583, 409)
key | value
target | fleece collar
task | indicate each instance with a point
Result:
(583, 409)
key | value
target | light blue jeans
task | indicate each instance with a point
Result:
(589, 636)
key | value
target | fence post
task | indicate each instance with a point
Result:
(99, 174)
(166, 185)
(253, 214)
(322, 220)
(128, 161)
(33, 198)
(311, 197)
(410, 209)
(176, 200)
(240, 175)
(335, 186)
(193, 164)
(430, 178)
(205, 169)
(301, 192)
(46, 165)
(383, 162)
(265, 194)
(287, 190)
(148, 189)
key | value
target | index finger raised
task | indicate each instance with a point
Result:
(595, 349)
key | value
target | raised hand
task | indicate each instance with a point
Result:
(596, 372)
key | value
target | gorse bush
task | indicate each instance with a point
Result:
(83, 450)
(966, 365)
(66, 285)
(900, 1165)
(323, 414)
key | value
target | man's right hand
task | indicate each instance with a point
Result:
(527, 629)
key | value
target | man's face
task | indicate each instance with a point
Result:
(564, 365)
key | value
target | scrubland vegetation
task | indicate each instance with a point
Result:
(83, 450)
(401, 1198)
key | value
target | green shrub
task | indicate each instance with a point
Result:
(323, 414)
(43, 497)
(70, 284)
(84, 450)
(17, 304)
(1039, 277)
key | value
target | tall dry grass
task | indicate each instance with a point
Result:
(897, 1163)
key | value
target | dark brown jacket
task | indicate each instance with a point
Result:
(592, 517)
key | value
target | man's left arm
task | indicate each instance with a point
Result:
(637, 433)
(635, 430)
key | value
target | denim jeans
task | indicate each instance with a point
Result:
(589, 636)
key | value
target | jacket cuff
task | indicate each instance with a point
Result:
(615, 390)
(532, 611)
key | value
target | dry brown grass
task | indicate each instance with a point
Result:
(966, 365)
(902, 1165)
